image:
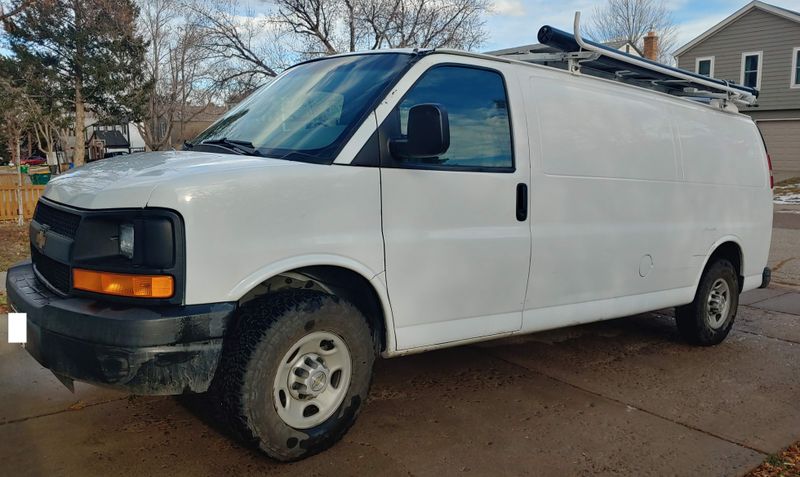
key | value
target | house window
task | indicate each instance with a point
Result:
(751, 69)
(705, 66)
(795, 83)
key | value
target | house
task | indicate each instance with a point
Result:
(191, 120)
(624, 45)
(759, 46)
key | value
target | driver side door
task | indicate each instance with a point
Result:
(456, 232)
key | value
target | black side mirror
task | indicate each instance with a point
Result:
(428, 133)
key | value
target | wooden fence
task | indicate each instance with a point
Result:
(8, 201)
(8, 180)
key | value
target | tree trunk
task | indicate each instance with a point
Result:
(80, 119)
(351, 23)
(20, 217)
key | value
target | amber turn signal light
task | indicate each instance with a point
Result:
(123, 284)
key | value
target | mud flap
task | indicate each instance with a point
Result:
(67, 382)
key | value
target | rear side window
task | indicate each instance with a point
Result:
(477, 106)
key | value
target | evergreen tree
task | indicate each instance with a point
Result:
(90, 50)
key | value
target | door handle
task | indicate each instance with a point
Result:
(522, 202)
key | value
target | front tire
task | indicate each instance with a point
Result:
(295, 372)
(709, 318)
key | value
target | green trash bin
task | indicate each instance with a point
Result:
(40, 179)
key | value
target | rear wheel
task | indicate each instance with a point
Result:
(709, 318)
(295, 372)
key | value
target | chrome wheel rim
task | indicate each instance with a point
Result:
(312, 380)
(718, 303)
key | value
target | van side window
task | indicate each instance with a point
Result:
(477, 105)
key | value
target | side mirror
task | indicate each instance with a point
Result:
(428, 133)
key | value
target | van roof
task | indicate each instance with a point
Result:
(507, 60)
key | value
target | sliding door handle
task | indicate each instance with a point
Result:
(522, 202)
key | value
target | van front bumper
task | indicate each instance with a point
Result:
(143, 350)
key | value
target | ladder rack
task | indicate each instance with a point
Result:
(580, 56)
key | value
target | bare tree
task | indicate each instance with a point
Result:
(46, 131)
(175, 67)
(631, 20)
(334, 26)
(155, 24)
(243, 50)
(438, 23)
(9, 9)
(17, 113)
(315, 20)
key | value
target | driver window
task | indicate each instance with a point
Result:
(477, 105)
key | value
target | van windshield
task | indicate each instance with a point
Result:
(307, 113)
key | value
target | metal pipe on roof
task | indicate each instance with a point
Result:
(614, 59)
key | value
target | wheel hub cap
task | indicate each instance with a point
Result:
(308, 377)
(718, 303)
(318, 381)
(312, 380)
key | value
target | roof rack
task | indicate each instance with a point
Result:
(587, 57)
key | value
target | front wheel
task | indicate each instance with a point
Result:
(295, 372)
(709, 318)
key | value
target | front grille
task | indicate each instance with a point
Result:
(56, 273)
(59, 221)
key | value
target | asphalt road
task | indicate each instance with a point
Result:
(619, 397)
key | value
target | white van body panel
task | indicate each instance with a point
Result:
(630, 192)
(270, 220)
(457, 259)
(627, 183)
(127, 181)
(255, 217)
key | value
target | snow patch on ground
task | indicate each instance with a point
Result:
(787, 192)
(786, 198)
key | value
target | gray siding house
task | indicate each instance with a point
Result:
(759, 45)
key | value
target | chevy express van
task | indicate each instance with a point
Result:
(388, 203)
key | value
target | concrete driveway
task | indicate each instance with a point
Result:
(624, 396)
(620, 397)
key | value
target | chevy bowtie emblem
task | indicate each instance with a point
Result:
(41, 239)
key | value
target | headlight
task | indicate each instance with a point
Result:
(144, 241)
(126, 240)
(135, 253)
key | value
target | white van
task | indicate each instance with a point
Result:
(384, 204)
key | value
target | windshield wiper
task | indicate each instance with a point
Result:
(313, 157)
(245, 147)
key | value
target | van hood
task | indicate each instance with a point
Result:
(128, 181)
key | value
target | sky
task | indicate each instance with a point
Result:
(516, 22)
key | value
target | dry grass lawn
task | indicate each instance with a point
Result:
(13, 244)
(13, 248)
